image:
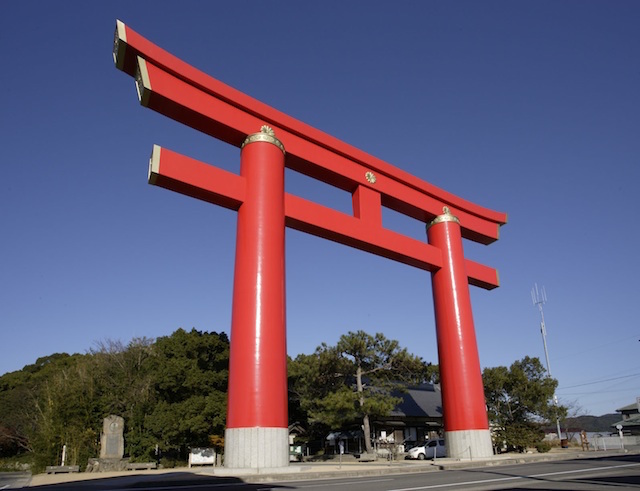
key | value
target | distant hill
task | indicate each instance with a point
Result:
(593, 423)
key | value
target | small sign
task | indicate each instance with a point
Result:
(202, 456)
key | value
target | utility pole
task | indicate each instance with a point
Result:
(539, 298)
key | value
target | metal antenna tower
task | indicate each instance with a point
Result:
(539, 298)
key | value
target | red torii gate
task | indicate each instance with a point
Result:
(257, 421)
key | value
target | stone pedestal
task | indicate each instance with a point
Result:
(107, 465)
(469, 444)
(256, 448)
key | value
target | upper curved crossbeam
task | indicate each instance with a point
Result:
(176, 89)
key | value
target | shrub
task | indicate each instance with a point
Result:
(19, 463)
(543, 447)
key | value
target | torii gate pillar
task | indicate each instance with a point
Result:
(257, 399)
(466, 425)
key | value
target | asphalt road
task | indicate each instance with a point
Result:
(617, 473)
(12, 480)
(621, 473)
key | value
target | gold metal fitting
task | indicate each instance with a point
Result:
(266, 135)
(445, 217)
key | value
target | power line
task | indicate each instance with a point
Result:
(600, 381)
(599, 348)
(617, 391)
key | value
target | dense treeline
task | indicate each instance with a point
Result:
(171, 393)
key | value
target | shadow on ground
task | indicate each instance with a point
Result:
(183, 481)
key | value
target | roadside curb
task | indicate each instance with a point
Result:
(443, 464)
(333, 470)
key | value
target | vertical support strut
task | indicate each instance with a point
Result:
(465, 416)
(257, 422)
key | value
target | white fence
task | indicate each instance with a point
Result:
(613, 442)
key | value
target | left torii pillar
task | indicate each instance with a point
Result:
(257, 433)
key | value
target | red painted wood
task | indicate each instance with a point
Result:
(258, 357)
(463, 400)
(176, 172)
(229, 115)
(367, 206)
(197, 179)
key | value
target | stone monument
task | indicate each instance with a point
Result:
(112, 438)
(111, 447)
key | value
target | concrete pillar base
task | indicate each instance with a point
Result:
(256, 448)
(469, 444)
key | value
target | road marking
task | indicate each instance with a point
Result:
(358, 481)
(466, 483)
(586, 470)
(515, 478)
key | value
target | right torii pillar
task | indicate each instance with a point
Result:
(467, 434)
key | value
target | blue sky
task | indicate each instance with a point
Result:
(529, 107)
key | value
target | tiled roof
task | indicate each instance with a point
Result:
(630, 407)
(633, 420)
(423, 401)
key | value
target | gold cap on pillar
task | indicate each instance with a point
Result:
(266, 135)
(445, 217)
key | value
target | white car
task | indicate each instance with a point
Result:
(427, 450)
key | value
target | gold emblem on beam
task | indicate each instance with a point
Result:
(371, 177)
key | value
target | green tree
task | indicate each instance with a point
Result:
(50, 404)
(16, 419)
(19, 395)
(191, 370)
(311, 379)
(67, 416)
(124, 379)
(519, 400)
(432, 374)
(171, 392)
(353, 380)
